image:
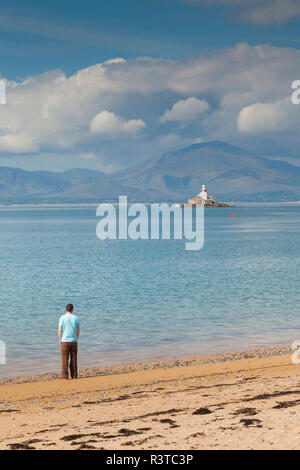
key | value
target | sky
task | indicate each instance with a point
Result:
(104, 84)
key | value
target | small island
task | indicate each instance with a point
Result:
(203, 199)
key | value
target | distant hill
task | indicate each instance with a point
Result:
(230, 174)
(70, 186)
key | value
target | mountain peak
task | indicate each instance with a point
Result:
(226, 170)
(214, 145)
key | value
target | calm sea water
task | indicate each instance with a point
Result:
(146, 299)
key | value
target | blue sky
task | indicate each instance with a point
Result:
(52, 50)
(38, 36)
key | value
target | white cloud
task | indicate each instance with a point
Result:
(93, 108)
(257, 11)
(17, 143)
(109, 124)
(185, 111)
(280, 116)
(118, 60)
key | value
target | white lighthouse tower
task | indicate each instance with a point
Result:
(203, 194)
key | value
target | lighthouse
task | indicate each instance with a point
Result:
(203, 199)
(203, 194)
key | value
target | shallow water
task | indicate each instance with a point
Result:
(146, 299)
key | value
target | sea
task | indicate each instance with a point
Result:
(146, 299)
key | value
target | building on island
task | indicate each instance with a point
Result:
(205, 200)
(202, 197)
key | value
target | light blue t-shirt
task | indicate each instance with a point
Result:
(69, 324)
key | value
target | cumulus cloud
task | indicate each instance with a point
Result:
(103, 109)
(185, 111)
(109, 124)
(279, 116)
(118, 60)
(17, 143)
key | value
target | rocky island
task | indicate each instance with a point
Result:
(205, 200)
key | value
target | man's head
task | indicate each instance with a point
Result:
(69, 308)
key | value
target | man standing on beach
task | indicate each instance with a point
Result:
(68, 334)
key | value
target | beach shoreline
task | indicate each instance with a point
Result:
(151, 363)
(247, 400)
(17, 369)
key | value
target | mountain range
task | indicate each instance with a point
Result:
(229, 172)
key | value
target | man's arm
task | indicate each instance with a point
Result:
(59, 333)
(78, 332)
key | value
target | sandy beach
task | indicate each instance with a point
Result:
(249, 400)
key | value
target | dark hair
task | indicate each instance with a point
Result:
(69, 308)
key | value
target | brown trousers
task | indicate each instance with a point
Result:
(69, 360)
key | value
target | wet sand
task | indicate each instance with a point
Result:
(249, 400)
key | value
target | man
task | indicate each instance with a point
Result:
(68, 334)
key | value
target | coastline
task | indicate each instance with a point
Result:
(148, 364)
(246, 400)
(96, 204)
